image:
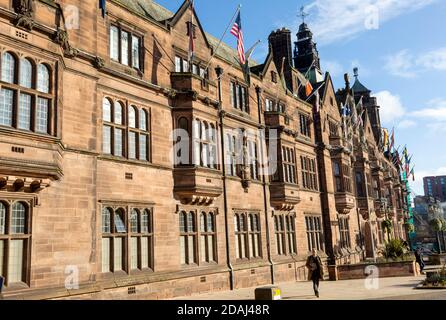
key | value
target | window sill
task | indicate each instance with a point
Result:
(21, 133)
(15, 287)
(122, 68)
(122, 159)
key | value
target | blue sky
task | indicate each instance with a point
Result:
(398, 45)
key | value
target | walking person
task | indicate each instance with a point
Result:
(419, 259)
(315, 270)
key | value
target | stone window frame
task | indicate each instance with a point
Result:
(248, 236)
(288, 165)
(206, 137)
(239, 96)
(195, 234)
(305, 125)
(132, 35)
(274, 105)
(344, 232)
(126, 209)
(36, 94)
(182, 63)
(314, 231)
(232, 154)
(286, 233)
(309, 173)
(6, 236)
(127, 129)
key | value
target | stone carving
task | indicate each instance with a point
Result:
(24, 10)
(61, 37)
(98, 62)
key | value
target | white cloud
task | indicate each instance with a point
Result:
(435, 110)
(406, 124)
(406, 65)
(401, 64)
(435, 59)
(391, 107)
(341, 19)
(334, 67)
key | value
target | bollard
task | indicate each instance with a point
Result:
(268, 293)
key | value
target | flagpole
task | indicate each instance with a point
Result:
(224, 34)
(191, 35)
(315, 91)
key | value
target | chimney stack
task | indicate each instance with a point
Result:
(281, 46)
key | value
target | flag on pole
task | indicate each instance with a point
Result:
(412, 173)
(308, 88)
(392, 140)
(191, 37)
(237, 32)
(102, 6)
(385, 137)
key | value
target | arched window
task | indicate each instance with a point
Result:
(43, 78)
(132, 117)
(106, 110)
(183, 124)
(106, 220)
(106, 129)
(143, 119)
(26, 73)
(119, 221)
(18, 218)
(134, 221)
(8, 67)
(203, 222)
(2, 219)
(118, 133)
(145, 222)
(118, 112)
(210, 222)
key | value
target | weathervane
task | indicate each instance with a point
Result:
(303, 14)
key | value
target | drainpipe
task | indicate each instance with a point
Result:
(265, 200)
(219, 72)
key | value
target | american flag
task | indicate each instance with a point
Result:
(238, 33)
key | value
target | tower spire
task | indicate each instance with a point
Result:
(303, 14)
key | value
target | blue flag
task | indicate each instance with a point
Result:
(102, 5)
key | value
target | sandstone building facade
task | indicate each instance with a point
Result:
(125, 172)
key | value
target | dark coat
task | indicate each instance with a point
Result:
(311, 268)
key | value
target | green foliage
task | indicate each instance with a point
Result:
(436, 224)
(387, 225)
(394, 250)
(443, 224)
(410, 227)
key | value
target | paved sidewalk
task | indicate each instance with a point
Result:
(331, 290)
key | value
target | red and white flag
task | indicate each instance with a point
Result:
(238, 33)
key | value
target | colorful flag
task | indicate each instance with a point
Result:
(317, 105)
(102, 6)
(392, 140)
(191, 36)
(385, 137)
(238, 33)
(308, 88)
(412, 172)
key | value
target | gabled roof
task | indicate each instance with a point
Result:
(147, 8)
(155, 11)
(179, 14)
(358, 87)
